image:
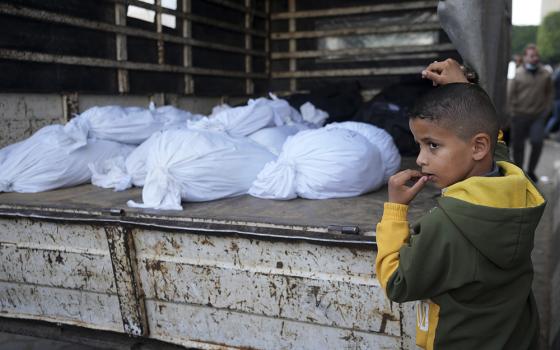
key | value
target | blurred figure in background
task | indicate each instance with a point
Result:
(515, 62)
(530, 96)
(553, 122)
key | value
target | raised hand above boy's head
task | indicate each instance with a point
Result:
(445, 72)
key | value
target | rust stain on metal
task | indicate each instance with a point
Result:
(207, 241)
(386, 317)
(129, 290)
(59, 259)
(159, 247)
(85, 272)
(174, 243)
(223, 346)
(352, 337)
(315, 292)
(155, 265)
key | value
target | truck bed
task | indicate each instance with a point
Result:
(233, 273)
(338, 220)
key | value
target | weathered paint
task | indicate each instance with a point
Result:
(220, 289)
(219, 328)
(23, 114)
(60, 305)
(291, 280)
(126, 277)
(57, 272)
(55, 255)
(206, 277)
(195, 289)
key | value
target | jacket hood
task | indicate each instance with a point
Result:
(498, 215)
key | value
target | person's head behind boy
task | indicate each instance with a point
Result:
(456, 127)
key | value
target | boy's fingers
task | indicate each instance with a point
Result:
(435, 77)
(433, 64)
(417, 187)
(437, 67)
(451, 62)
(402, 177)
(413, 173)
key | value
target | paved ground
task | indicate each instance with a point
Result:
(549, 159)
(543, 249)
(21, 342)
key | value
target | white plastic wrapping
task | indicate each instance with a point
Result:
(256, 115)
(131, 125)
(284, 113)
(238, 121)
(313, 115)
(5, 152)
(381, 139)
(199, 165)
(42, 162)
(110, 173)
(219, 108)
(120, 173)
(135, 163)
(319, 164)
(273, 138)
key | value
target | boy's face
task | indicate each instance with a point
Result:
(444, 157)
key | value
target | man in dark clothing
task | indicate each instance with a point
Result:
(530, 96)
(555, 119)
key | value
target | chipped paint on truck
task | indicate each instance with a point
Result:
(211, 283)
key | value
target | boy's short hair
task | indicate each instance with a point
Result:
(463, 108)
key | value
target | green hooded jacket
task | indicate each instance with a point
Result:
(469, 259)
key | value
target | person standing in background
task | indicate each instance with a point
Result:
(530, 96)
(515, 62)
(555, 119)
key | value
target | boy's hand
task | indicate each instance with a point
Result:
(400, 192)
(445, 72)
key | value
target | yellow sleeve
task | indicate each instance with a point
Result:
(392, 232)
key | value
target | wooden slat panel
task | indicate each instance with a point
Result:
(83, 23)
(98, 62)
(267, 46)
(357, 10)
(380, 52)
(249, 85)
(122, 53)
(403, 28)
(241, 8)
(350, 72)
(187, 51)
(292, 45)
(195, 18)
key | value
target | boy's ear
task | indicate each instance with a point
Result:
(481, 146)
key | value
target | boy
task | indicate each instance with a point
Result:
(469, 258)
